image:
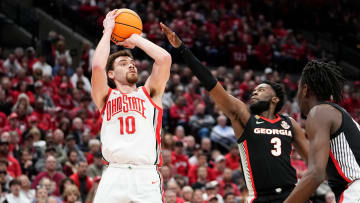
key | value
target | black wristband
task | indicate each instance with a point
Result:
(200, 71)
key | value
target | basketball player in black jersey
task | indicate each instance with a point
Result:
(264, 136)
(334, 136)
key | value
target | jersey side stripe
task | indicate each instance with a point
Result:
(247, 168)
(344, 158)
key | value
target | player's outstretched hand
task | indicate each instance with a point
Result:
(109, 21)
(171, 35)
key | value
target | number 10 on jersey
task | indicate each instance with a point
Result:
(129, 123)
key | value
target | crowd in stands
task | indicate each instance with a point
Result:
(49, 126)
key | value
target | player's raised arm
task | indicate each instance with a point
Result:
(160, 74)
(99, 86)
(318, 125)
(235, 109)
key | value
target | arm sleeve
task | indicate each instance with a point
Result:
(199, 70)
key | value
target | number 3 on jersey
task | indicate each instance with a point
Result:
(277, 146)
(129, 122)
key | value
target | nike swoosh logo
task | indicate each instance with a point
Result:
(153, 182)
(259, 122)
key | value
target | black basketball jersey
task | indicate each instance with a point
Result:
(265, 148)
(344, 156)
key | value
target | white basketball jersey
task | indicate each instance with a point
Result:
(131, 126)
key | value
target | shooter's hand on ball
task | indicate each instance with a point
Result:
(109, 21)
(172, 37)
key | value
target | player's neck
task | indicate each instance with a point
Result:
(126, 88)
(269, 114)
(312, 102)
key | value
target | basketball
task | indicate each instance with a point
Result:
(126, 24)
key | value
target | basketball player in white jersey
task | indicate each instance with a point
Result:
(130, 132)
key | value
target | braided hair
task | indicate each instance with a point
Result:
(324, 79)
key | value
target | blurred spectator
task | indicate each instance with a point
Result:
(201, 179)
(187, 193)
(27, 164)
(41, 195)
(42, 117)
(26, 191)
(71, 194)
(79, 75)
(13, 166)
(201, 122)
(15, 196)
(202, 161)
(86, 58)
(170, 196)
(179, 159)
(222, 134)
(41, 64)
(94, 146)
(211, 192)
(71, 145)
(5, 102)
(11, 65)
(72, 164)
(230, 198)
(219, 167)
(61, 51)
(63, 99)
(96, 168)
(180, 112)
(30, 58)
(51, 173)
(82, 181)
(5, 177)
(59, 145)
(227, 179)
(233, 157)
(197, 196)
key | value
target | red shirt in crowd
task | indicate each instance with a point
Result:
(65, 102)
(238, 55)
(56, 178)
(181, 163)
(180, 113)
(44, 120)
(232, 162)
(193, 174)
(13, 169)
(89, 183)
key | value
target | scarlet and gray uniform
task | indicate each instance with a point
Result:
(130, 137)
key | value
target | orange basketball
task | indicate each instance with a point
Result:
(126, 24)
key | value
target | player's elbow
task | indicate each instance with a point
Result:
(96, 66)
(164, 58)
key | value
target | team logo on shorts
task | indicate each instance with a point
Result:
(285, 125)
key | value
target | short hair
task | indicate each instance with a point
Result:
(14, 181)
(324, 79)
(228, 194)
(72, 150)
(279, 92)
(110, 64)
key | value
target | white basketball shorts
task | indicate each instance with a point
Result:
(126, 183)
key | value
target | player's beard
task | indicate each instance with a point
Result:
(259, 107)
(132, 78)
